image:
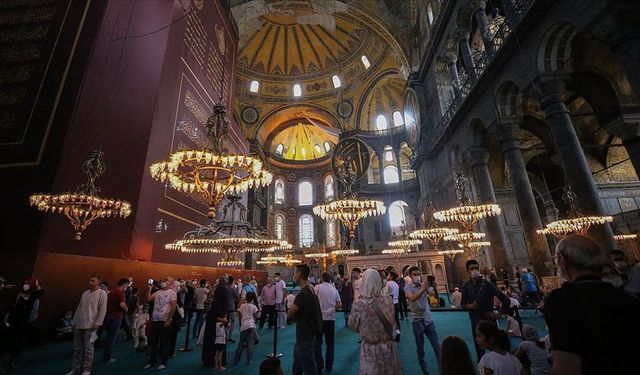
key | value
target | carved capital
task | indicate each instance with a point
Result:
(508, 132)
(477, 156)
(551, 89)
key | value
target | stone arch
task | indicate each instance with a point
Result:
(554, 53)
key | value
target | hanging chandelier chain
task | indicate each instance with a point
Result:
(94, 167)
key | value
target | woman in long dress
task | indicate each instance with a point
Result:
(377, 352)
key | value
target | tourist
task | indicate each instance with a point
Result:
(506, 277)
(140, 321)
(247, 286)
(590, 322)
(88, 317)
(532, 353)
(630, 273)
(268, 302)
(178, 315)
(394, 291)
(305, 310)
(271, 366)
(455, 358)
(498, 360)
(329, 299)
(421, 319)
(346, 296)
(356, 275)
(133, 307)
(291, 297)
(23, 312)
(200, 295)
(217, 305)
(233, 302)
(165, 302)
(402, 297)
(513, 326)
(116, 307)
(529, 287)
(456, 297)
(247, 313)
(281, 292)
(127, 318)
(372, 318)
(477, 297)
(220, 343)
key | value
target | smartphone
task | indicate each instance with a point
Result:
(150, 282)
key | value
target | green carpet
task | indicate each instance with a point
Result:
(55, 357)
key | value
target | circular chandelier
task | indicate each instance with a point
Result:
(405, 245)
(625, 237)
(213, 172)
(270, 259)
(396, 252)
(465, 213)
(575, 222)
(345, 252)
(349, 209)
(84, 206)
(231, 235)
(432, 232)
(289, 260)
(475, 246)
(451, 253)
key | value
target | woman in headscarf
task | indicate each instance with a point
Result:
(377, 352)
(216, 306)
(22, 314)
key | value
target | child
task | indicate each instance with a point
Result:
(140, 320)
(513, 328)
(221, 342)
(271, 366)
(455, 358)
(66, 325)
(498, 361)
(248, 313)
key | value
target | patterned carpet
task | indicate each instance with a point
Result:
(55, 357)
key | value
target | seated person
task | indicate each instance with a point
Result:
(513, 328)
(532, 352)
(65, 328)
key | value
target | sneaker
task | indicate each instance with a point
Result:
(148, 366)
(162, 367)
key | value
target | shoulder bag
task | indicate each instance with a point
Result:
(383, 319)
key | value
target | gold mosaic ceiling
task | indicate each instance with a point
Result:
(303, 140)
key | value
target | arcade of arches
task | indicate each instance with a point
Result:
(525, 97)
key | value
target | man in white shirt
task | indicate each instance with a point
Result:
(329, 299)
(201, 294)
(394, 292)
(87, 319)
(357, 284)
(165, 301)
(281, 293)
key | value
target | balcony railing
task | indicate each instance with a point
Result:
(390, 131)
(500, 29)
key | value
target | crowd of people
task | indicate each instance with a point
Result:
(591, 319)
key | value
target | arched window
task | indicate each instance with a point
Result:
(381, 122)
(327, 146)
(278, 195)
(336, 81)
(397, 216)
(297, 90)
(365, 62)
(331, 239)
(280, 225)
(306, 230)
(397, 119)
(329, 192)
(254, 87)
(430, 14)
(388, 153)
(391, 175)
(305, 193)
(279, 149)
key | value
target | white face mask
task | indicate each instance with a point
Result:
(475, 274)
(163, 285)
(416, 279)
(26, 287)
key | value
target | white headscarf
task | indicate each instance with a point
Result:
(371, 283)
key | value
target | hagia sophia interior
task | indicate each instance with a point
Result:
(264, 121)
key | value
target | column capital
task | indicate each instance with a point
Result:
(450, 58)
(477, 156)
(461, 35)
(478, 5)
(625, 127)
(550, 87)
(508, 131)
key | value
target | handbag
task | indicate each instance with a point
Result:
(383, 319)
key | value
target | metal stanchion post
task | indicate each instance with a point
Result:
(186, 347)
(275, 353)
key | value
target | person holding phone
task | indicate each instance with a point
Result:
(477, 298)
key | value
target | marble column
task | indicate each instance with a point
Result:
(483, 25)
(627, 128)
(478, 158)
(398, 164)
(538, 248)
(572, 159)
(452, 67)
(467, 55)
(381, 165)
